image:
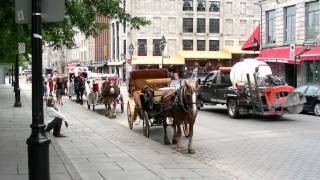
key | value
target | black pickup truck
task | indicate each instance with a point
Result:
(214, 87)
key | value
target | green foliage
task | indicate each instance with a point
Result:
(79, 15)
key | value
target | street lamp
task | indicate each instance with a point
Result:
(130, 50)
(163, 43)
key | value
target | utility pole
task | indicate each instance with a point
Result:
(38, 142)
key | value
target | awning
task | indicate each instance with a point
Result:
(237, 50)
(205, 55)
(312, 54)
(152, 60)
(280, 55)
(115, 63)
(97, 65)
(253, 43)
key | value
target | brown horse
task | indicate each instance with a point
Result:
(183, 110)
(110, 93)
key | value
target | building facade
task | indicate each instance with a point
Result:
(194, 30)
(291, 24)
(102, 47)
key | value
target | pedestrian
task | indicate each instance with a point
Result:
(54, 119)
(45, 90)
(50, 85)
(59, 90)
(195, 72)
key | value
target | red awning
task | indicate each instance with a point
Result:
(312, 54)
(254, 38)
(281, 55)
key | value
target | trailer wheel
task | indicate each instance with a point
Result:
(316, 109)
(233, 109)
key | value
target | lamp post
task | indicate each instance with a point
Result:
(254, 44)
(17, 102)
(130, 50)
(163, 43)
(12, 77)
(38, 142)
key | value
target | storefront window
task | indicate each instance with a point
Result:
(313, 71)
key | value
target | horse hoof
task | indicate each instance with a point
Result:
(178, 149)
(174, 141)
(191, 151)
(166, 142)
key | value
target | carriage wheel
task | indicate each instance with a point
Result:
(146, 125)
(185, 127)
(130, 121)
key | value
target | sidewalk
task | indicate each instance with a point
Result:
(14, 130)
(96, 148)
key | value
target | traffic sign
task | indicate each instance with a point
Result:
(51, 11)
(129, 61)
(21, 48)
(129, 68)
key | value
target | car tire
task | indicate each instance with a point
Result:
(233, 109)
(316, 109)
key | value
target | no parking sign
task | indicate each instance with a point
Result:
(21, 48)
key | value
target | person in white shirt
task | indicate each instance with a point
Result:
(54, 119)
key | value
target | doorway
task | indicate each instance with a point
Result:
(289, 74)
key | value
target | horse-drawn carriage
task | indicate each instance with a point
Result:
(153, 100)
(104, 89)
(139, 82)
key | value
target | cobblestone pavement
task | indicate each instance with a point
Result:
(254, 147)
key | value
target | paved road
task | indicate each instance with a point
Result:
(252, 147)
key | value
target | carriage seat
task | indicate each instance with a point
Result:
(139, 84)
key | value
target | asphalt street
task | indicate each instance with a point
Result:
(251, 147)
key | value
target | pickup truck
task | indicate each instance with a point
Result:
(214, 87)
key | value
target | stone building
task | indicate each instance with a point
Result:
(291, 24)
(194, 30)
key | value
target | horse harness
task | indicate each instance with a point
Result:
(179, 100)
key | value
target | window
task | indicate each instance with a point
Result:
(289, 24)
(313, 69)
(229, 26)
(313, 21)
(243, 27)
(301, 89)
(228, 7)
(214, 6)
(243, 8)
(312, 90)
(201, 5)
(157, 25)
(188, 45)
(241, 43)
(142, 47)
(187, 25)
(229, 42)
(201, 25)
(201, 45)
(156, 47)
(214, 45)
(172, 25)
(187, 5)
(214, 25)
(270, 32)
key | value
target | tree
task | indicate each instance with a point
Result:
(79, 15)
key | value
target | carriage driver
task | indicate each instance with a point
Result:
(54, 119)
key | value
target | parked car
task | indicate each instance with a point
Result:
(312, 94)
